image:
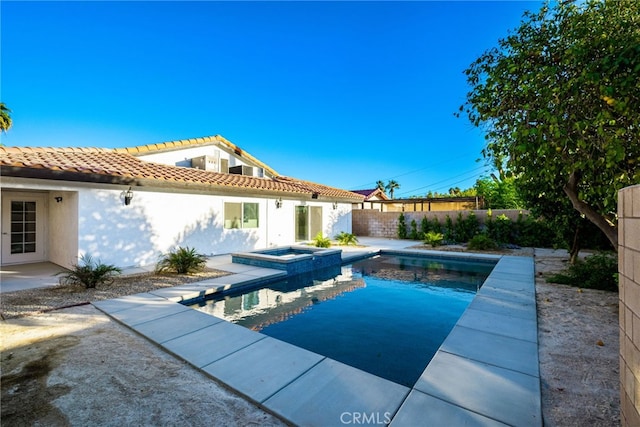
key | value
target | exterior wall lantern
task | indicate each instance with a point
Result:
(58, 199)
(335, 205)
(127, 196)
(279, 203)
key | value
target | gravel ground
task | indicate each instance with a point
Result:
(75, 366)
(33, 301)
(578, 338)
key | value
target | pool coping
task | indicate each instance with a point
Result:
(485, 373)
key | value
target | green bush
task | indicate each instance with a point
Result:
(434, 239)
(502, 228)
(181, 261)
(435, 225)
(466, 227)
(482, 242)
(414, 230)
(346, 239)
(321, 242)
(425, 226)
(402, 227)
(530, 232)
(598, 271)
(89, 273)
(449, 234)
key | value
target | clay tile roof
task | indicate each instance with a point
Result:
(207, 140)
(107, 165)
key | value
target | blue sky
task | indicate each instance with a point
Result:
(339, 93)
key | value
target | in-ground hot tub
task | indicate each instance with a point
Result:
(293, 259)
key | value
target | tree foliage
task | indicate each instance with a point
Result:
(5, 118)
(499, 193)
(559, 100)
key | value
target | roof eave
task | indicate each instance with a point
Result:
(89, 177)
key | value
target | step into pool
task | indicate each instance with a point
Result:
(386, 315)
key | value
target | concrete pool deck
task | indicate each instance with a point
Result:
(485, 373)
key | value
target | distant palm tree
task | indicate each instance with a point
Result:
(380, 185)
(392, 186)
(5, 118)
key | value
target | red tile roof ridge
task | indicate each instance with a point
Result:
(16, 150)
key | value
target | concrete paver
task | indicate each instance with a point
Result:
(206, 345)
(263, 368)
(502, 394)
(440, 413)
(175, 325)
(510, 353)
(332, 393)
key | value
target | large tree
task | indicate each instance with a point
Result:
(5, 118)
(559, 100)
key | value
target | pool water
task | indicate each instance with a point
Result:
(385, 315)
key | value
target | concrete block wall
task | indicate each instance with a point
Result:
(373, 223)
(629, 269)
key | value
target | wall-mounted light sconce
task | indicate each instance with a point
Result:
(335, 205)
(58, 199)
(314, 195)
(127, 196)
(278, 203)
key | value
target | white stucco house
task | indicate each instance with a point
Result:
(127, 206)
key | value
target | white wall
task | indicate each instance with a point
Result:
(63, 228)
(156, 222)
(95, 221)
(337, 220)
(183, 156)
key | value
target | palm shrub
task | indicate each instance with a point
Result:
(320, 241)
(89, 273)
(434, 239)
(182, 261)
(346, 239)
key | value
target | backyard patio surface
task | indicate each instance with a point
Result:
(485, 373)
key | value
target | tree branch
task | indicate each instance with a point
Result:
(571, 190)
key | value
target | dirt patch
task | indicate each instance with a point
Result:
(515, 251)
(578, 349)
(77, 367)
(26, 385)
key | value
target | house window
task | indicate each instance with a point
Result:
(241, 215)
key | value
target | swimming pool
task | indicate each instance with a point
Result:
(385, 315)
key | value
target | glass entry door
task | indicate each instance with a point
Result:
(308, 222)
(22, 228)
